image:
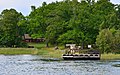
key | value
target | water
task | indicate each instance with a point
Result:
(36, 65)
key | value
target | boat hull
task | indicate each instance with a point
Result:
(81, 56)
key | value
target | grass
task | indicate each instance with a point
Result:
(17, 51)
(50, 52)
(110, 56)
(40, 49)
(37, 45)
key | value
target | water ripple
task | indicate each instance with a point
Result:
(36, 65)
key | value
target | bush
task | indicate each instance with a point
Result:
(108, 40)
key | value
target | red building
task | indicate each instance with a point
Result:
(27, 38)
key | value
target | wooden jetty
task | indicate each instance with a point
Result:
(81, 56)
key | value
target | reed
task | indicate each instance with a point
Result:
(110, 56)
(17, 51)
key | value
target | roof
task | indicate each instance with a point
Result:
(26, 36)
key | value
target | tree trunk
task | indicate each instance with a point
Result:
(47, 45)
(82, 45)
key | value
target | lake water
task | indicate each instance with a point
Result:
(36, 65)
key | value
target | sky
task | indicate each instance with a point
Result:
(24, 6)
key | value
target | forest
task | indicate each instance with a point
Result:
(68, 21)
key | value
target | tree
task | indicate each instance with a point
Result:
(10, 31)
(83, 20)
(116, 40)
(33, 8)
(108, 40)
(103, 40)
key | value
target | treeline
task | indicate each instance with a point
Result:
(68, 21)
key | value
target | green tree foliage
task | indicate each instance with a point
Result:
(108, 40)
(69, 21)
(116, 40)
(9, 29)
(103, 40)
(72, 21)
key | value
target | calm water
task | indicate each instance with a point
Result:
(36, 65)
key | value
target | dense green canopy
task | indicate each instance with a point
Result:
(10, 31)
(68, 21)
(72, 21)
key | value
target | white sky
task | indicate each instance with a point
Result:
(24, 6)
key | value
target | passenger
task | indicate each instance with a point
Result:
(56, 47)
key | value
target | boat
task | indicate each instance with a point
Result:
(81, 56)
(90, 55)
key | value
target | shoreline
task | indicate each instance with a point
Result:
(48, 53)
(110, 56)
(18, 51)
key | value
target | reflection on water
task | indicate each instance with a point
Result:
(36, 65)
(116, 65)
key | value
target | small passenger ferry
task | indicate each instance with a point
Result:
(81, 56)
(75, 54)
